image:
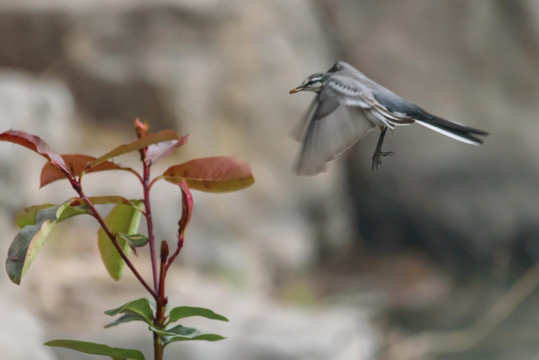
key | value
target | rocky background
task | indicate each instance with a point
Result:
(431, 257)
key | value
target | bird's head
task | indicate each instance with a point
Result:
(313, 83)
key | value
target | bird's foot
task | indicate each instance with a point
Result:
(377, 158)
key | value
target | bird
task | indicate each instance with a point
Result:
(347, 106)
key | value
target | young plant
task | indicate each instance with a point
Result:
(118, 234)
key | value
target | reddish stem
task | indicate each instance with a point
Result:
(160, 302)
(148, 216)
(97, 216)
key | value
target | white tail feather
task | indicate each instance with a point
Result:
(448, 133)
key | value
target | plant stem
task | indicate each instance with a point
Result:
(148, 216)
(112, 238)
(160, 302)
(157, 347)
(78, 188)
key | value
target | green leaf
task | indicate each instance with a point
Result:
(77, 206)
(121, 219)
(212, 174)
(108, 199)
(28, 216)
(181, 312)
(161, 136)
(128, 317)
(98, 349)
(140, 307)
(32, 236)
(135, 240)
(184, 333)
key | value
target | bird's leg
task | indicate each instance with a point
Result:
(378, 153)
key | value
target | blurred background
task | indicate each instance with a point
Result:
(431, 257)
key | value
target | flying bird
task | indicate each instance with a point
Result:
(347, 106)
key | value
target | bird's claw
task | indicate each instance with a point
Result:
(377, 158)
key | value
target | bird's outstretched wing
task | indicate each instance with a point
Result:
(298, 132)
(320, 108)
(326, 138)
(330, 127)
(334, 121)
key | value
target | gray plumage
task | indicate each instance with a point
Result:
(347, 107)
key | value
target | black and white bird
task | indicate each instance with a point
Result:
(348, 105)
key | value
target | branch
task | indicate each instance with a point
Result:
(97, 216)
(148, 216)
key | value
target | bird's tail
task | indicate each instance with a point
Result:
(452, 129)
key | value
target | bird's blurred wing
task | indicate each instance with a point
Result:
(330, 136)
(298, 132)
(321, 106)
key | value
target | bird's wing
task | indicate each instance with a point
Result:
(325, 138)
(341, 65)
(348, 90)
(298, 132)
(322, 105)
(326, 102)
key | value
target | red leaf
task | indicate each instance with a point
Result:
(77, 163)
(212, 174)
(38, 145)
(162, 136)
(187, 209)
(156, 151)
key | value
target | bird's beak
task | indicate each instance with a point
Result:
(298, 89)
